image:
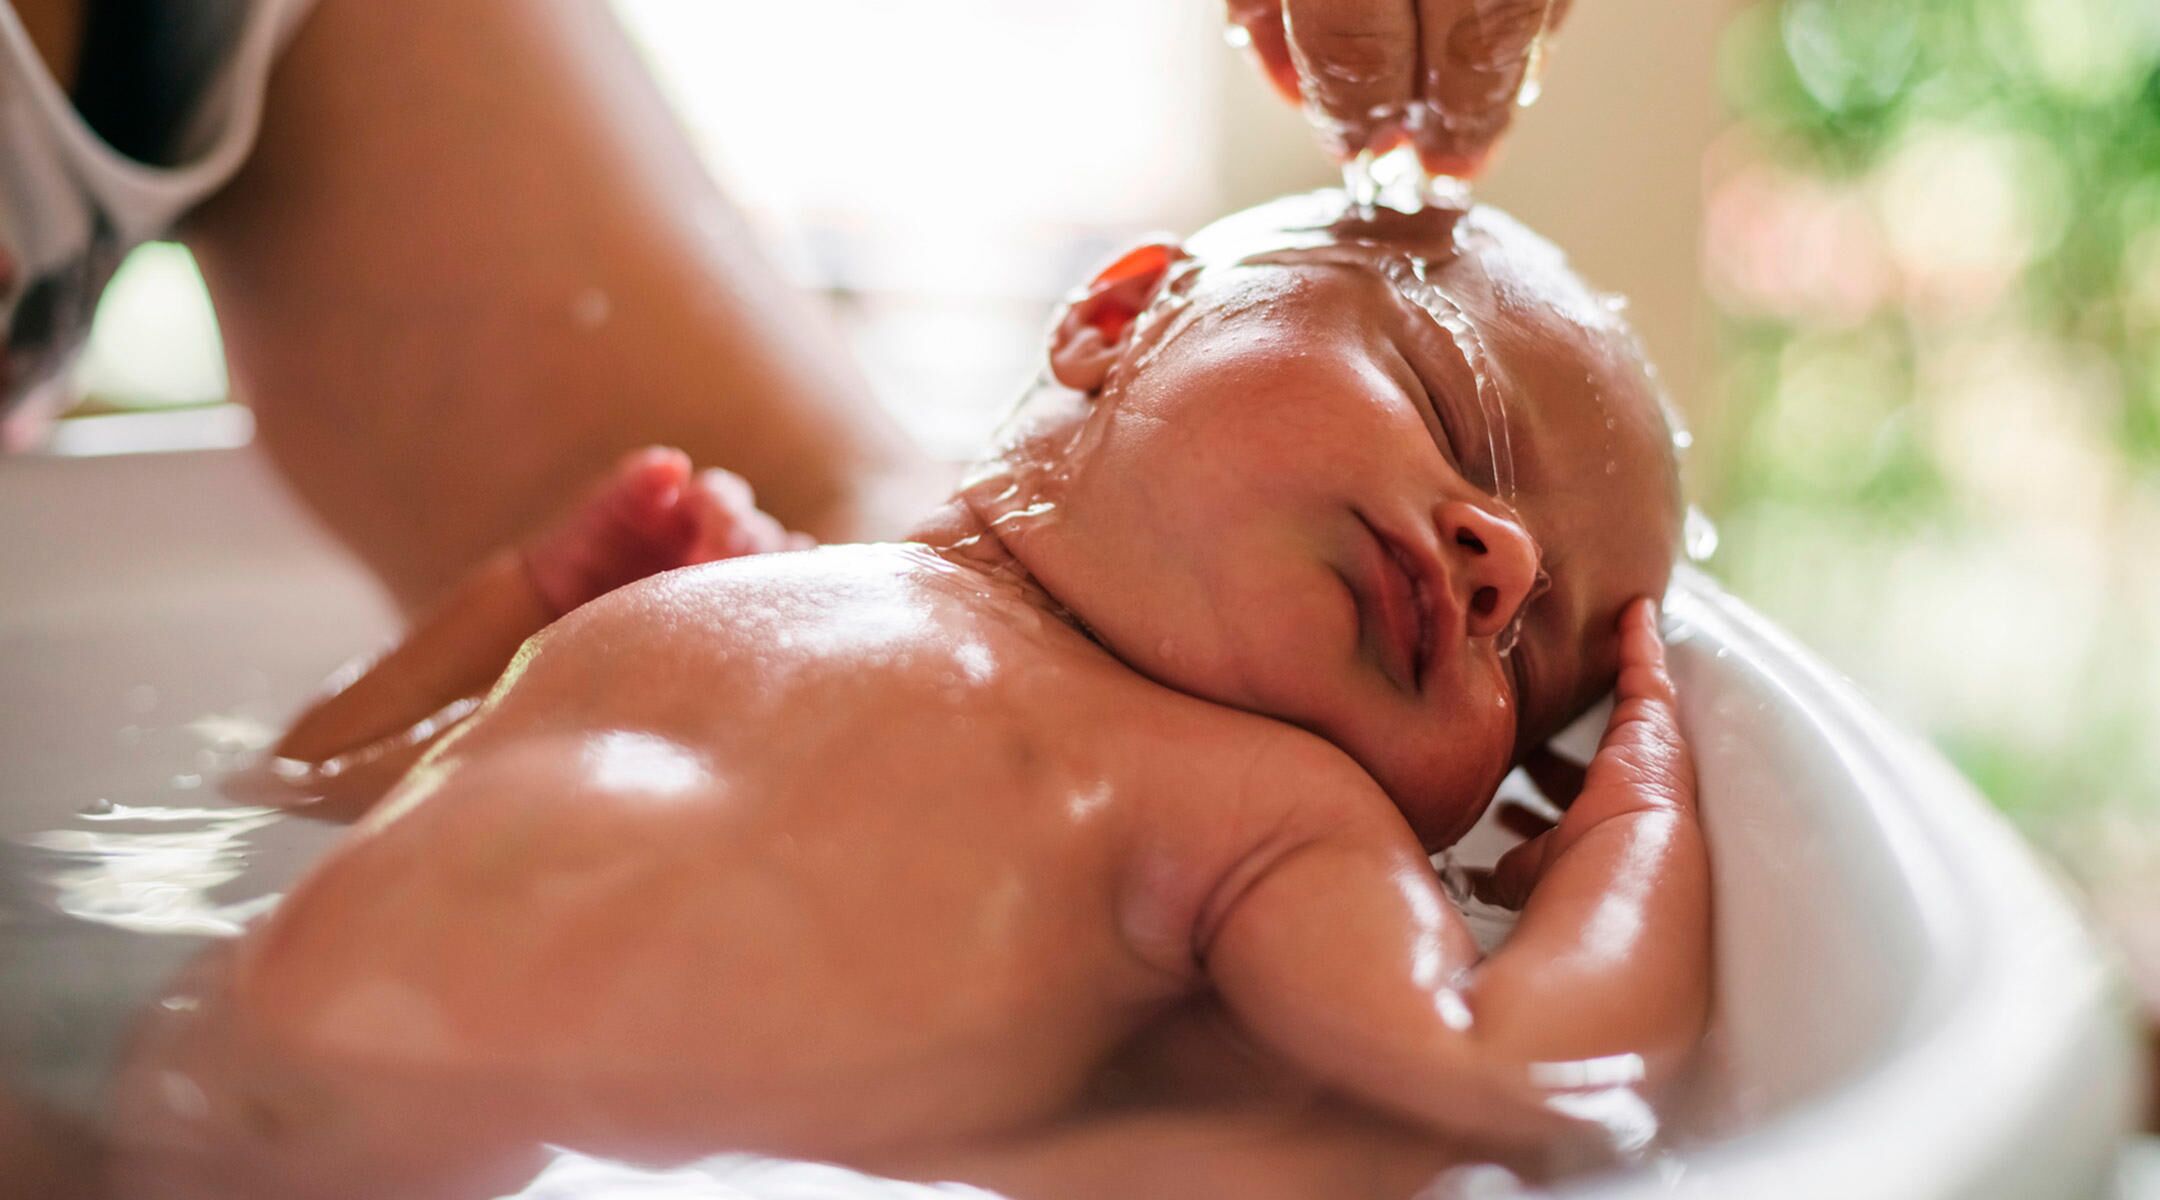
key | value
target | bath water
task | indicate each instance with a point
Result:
(105, 896)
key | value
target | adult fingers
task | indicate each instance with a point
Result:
(1356, 61)
(1262, 21)
(1474, 57)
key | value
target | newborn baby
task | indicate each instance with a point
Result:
(867, 853)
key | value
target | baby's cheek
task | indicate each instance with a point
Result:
(1297, 649)
(1462, 748)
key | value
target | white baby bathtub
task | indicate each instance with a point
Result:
(1907, 1006)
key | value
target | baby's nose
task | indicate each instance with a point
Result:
(1494, 564)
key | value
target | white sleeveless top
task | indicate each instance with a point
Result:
(72, 205)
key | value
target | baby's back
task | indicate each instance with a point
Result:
(809, 853)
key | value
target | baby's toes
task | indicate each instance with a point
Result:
(626, 526)
(729, 523)
(640, 494)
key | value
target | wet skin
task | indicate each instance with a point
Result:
(1287, 414)
(864, 851)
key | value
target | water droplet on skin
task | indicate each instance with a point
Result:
(97, 808)
(1612, 468)
(1504, 641)
(1454, 1012)
(1682, 439)
(1700, 537)
(591, 309)
(1238, 37)
(1533, 78)
(183, 1096)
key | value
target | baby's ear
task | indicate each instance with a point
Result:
(1097, 324)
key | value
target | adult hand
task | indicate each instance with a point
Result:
(1442, 74)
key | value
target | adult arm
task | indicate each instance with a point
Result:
(473, 260)
(55, 28)
(1345, 958)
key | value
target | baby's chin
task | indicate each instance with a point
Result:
(1436, 836)
(1441, 817)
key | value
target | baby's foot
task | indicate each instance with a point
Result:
(650, 514)
(727, 522)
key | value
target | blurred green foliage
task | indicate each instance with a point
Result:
(1934, 236)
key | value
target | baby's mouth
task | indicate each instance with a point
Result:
(1401, 608)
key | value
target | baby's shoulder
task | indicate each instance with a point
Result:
(844, 627)
(805, 603)
(753, 592)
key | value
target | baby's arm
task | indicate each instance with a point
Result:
(650, 514)
(1345, 957)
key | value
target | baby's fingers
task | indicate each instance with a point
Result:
(1515, 876)
(1643, 677)
(1643, 751)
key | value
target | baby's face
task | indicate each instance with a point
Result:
(1284, 498)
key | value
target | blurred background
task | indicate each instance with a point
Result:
(1899, 260)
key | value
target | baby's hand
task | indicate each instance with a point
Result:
(1642, 763)
(649, 514)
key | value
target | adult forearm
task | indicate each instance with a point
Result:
(473, 260)
(454, 653)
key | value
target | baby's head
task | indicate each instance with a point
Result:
(1389, 477)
